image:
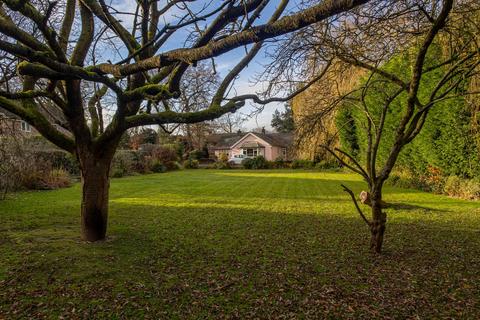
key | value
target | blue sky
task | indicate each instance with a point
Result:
(245, 83)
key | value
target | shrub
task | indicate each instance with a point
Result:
(452, 186)
(404, 178)
(45, 178)
(305, 164)
(260, 163)
(223, 157)
(167, 155)
(59, 159)
(158, 167)
(256, 163)
(123, 163)
(434, 179)
(222, 165)
(57, 178)
(278, 163)
(117, 173)
(247, 163)
(191, 164)
(462, 188)
(196, 155)
(326, 165)
(470, 189)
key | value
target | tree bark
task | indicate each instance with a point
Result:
(96, 184)
(379, 220)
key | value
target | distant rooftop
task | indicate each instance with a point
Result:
(227, 140)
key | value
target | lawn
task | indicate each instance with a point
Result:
(238, 244)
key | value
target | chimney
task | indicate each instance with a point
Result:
(263, 130)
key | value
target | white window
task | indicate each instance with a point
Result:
(284, 152)
(250, 152)
(26, 127)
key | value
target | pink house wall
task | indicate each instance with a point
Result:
(269, 152)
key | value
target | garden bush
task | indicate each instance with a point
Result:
(158, 167)
(462, 188)
(197, 154)
(222, 165)
(279, 163)
(470, 189)
(326, 165)
(59, 159)
(56, 179)
(404, 178)
(124, 163)
(256, 163)
(191, 164)
(41, 176)
(260, 163)
(247, 163)
(452, 186)
(302, 164)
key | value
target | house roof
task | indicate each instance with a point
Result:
(227, 140)
(8, 114)
(277, 139)
(252, 144)
(224, 140)
(53, 115)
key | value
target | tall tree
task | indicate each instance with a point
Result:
(230, 123)
(197, 89)
(283, 121)
(63, 49)
(439, 40)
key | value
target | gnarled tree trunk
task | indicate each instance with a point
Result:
(95, 184)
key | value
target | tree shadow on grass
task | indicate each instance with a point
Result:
(213, 262)
(412, 207)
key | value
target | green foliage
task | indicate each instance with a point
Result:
(59, 159)
(260, 163)
(191, 164)
(445, 143)
(326, 165)
(302, 164)
(283, 121)
(124, 163)
(222, 165)
(42, 176)
(158, 167)
(223, 157)
(462, 188)
(255, 163)
(247, 163)
(279, 163)
(149, 136)
(197, 154)
(151, 158)
(347, 131)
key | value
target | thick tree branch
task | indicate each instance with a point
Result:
(283, 26)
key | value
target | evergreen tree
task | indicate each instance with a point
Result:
(283, 121)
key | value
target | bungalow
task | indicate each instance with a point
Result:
(251, 144)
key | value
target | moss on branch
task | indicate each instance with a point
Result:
(165, 117)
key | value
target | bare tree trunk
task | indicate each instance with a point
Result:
(95, 183)
(379, 220)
